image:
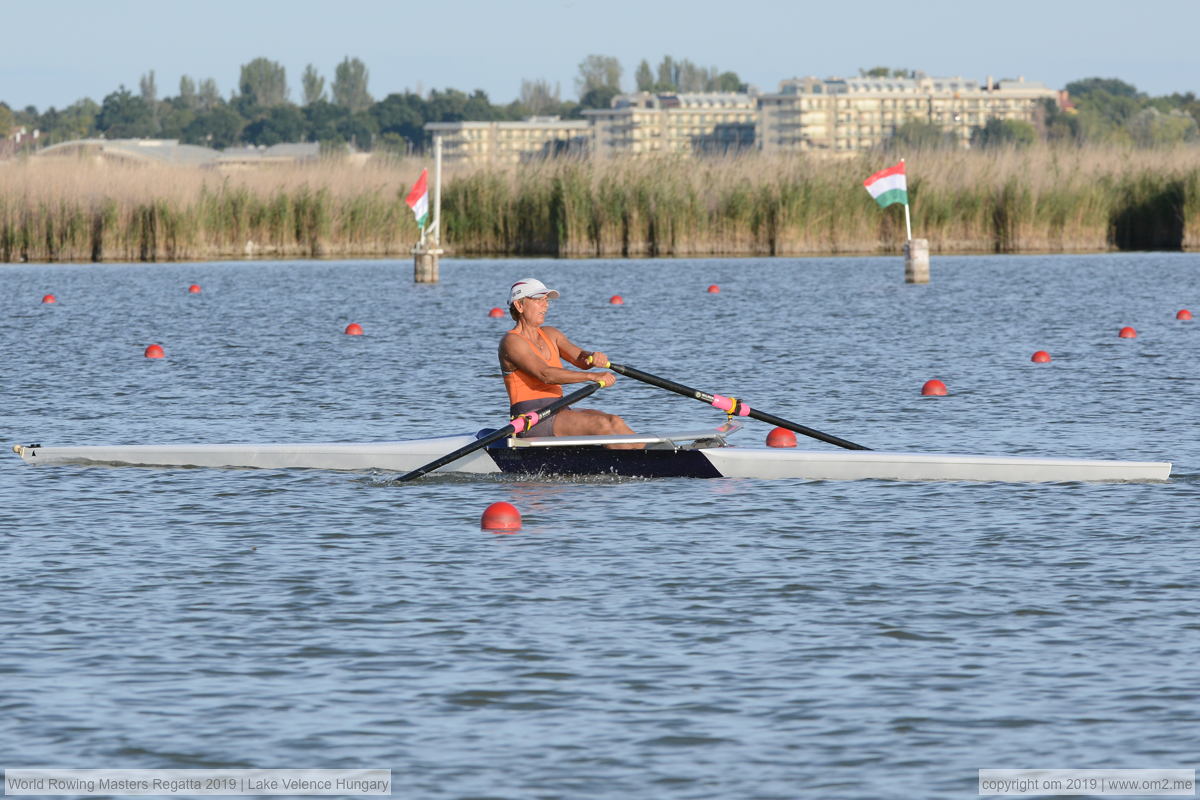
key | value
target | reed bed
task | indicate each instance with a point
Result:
(1009, 201)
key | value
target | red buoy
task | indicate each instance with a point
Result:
(155, 351)
(501, 517)
(617, 300)
(1127, 333)
(496, 312)
(781, 437)
(1041, 357)
(714, 289)
(1183, 314)
(354, 329)
(933, 388)
(194, 289)
(49, 298)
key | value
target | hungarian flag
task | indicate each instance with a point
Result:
(888, 186)
(418, 199)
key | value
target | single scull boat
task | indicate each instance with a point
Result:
(692, 454)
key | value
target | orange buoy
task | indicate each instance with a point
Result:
(354, 329)
(1127, 333)
(194, 289)
(933, 388)
(155, 351)
(781, 437)
(501, 517)
(496, 312)
(616, 300)
(1183, 314)
(49, 298)
(714, 289)
(1040, 357)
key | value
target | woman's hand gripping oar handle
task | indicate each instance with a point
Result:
(521, 423)
(730, 405)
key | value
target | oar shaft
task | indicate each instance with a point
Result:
(705, 397)
(495, 436)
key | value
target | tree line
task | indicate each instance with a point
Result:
(337, 113)
(341, 112)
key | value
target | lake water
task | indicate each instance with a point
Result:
(648, 639)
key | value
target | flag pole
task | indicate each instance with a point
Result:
(437, 191)
(907, 219)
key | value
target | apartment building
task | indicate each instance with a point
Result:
(690, 123)
(843, 115)
(503, 143)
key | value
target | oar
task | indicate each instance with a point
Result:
(521, 423)
(731, 405)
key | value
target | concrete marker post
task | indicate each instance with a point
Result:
(916, 261)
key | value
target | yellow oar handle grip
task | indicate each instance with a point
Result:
(602, 382)
(590, 361)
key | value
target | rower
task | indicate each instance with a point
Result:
(531, 358)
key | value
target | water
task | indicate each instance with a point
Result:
(666, 639)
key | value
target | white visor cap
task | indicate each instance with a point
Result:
(529, 287)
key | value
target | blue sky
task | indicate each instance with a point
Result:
(55, 54)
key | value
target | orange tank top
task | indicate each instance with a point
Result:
(522, 387)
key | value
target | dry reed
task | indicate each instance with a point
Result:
(1009, 201)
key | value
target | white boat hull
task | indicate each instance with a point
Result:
(700, 454)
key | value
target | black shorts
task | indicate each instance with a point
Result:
(544, 427)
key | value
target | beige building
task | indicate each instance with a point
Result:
(686, 123)
(841, 115)
(501, 143)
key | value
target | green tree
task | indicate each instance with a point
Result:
(600, 97)
(538, 98)
(1058, 125)
(124, 115)
(281, 124)
(1110, 86)
(1187, 103)
(8, 120)
(730, 82)
(314, 85)
(76, 121)
(644, 77)
(402, 116)
(598, 72)
(350, 85)
(175, 117)
(220, 127)
(209, 97)
(1004, 133)
(1153, 128)
(452, 105)
(321, 121)
(263, 83)
(358, 130)
(149, 90)
(187, 93)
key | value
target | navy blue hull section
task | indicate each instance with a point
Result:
(591, 460)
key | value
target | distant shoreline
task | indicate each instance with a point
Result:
(1041, 200)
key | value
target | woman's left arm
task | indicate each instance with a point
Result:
(584, 359)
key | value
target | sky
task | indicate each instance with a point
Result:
(55, 54)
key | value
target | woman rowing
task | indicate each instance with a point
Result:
(531, 358)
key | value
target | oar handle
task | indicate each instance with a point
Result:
(731, 405)
(523, 422)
